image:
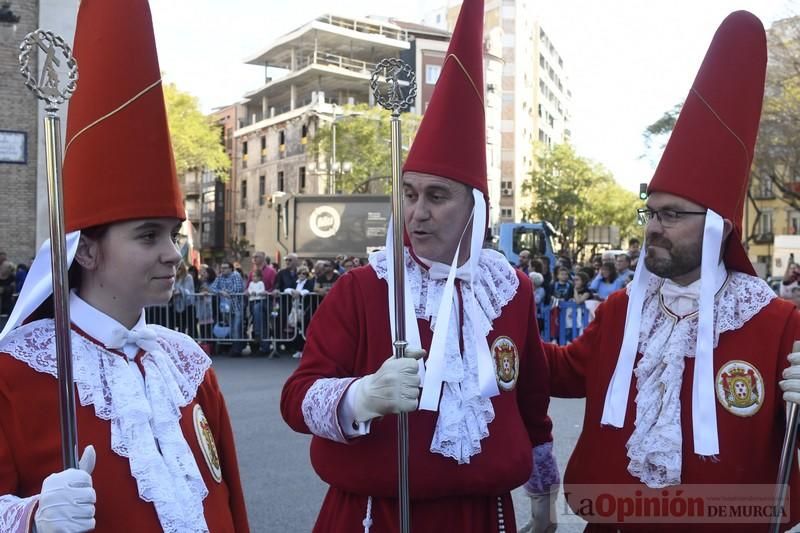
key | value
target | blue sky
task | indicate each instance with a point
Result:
(628, 61)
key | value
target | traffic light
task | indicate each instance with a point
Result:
(642, 191)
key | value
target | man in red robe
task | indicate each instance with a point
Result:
(705, 339)
(483, 406)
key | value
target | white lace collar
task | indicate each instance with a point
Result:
(143, 411)
(464, 415)
(655, 446)
(97, 324)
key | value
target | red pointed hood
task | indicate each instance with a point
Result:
(451, 139)
(709, 154)
(118, 162)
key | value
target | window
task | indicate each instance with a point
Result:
(764, 188)
(244, 194)
(304, 134)
(794, 223)
(764, 225)
(280, 180)
(282, 143)
(242, 230)
(506, 212)
(244, 154)
(262, 189)
(542, 62)
(263, 149)
(301, 178)
(432, 74)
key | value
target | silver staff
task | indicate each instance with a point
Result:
(391, 70)
(787, 463)
(46, 86)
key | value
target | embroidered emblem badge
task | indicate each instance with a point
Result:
(740, 388)
(506, 362)
(206, 440)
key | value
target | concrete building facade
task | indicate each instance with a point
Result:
(23, 202)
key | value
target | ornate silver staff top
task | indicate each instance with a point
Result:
(46, 86)
(387, 82)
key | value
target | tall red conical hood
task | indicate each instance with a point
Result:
(118, 162)
(451, 140)
(708, 157)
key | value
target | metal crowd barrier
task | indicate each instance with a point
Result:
(270, 323)
(572, 320)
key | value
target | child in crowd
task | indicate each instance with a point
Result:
(562, 287)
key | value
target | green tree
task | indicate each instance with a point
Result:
(195, 138)
(564, 184)
(363, 136)
(776, 163)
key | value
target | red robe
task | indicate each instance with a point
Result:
(30, 450)
(350, 336)
(749, 446)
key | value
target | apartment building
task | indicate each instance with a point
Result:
(311, 73)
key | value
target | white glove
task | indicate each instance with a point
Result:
(394, 388)
(543, 512)
(791, 376)
(66, 503)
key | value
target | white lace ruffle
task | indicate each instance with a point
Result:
(464, 415)
(15, 513)
(144, 411)
(320, 407)
(655, 446)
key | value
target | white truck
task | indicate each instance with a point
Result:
(785, 250)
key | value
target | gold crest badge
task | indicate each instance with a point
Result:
(740, 388)
(506, 362)
(206, 440)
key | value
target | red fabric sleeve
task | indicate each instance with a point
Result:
(223, 437)
(332, 345)
(533, 394)
(570, 364)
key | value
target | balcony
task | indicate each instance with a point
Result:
(191, 188)
(763, 238)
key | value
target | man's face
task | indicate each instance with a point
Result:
(258, 259)
(225, 270)
(678, 249)
(524, 258)
(622, 263)
(290, 261)
(634, 246)
(436, 211)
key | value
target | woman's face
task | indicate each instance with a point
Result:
(605, 272)
(135, 262)
(578, 282)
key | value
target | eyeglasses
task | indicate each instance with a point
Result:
(666, 217)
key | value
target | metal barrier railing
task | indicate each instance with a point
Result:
(572, 319)
(270, 321)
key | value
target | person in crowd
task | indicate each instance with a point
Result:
(22, 273)
(623, 265)
(183, 301)
(155, 441)
(478, 433)
(268, 274)
(303, 305)
(287, 276)
(347, 265)
(206, 315)
(581, 292)
(537, 280)
(230, 288)
(524, 264)
(791, 279)
(8, 287)
(606, 282)
(685, 375)
(257, 298)
(562, 287)
(325, 279)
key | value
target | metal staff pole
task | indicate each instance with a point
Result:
(391, 71)
(46, 87)
(787, 458)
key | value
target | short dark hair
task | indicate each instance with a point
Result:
(633, 240)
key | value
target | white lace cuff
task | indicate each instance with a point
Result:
(346, 412)
(321, 407)
(16, 513)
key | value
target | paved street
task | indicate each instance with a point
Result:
(283, 492)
